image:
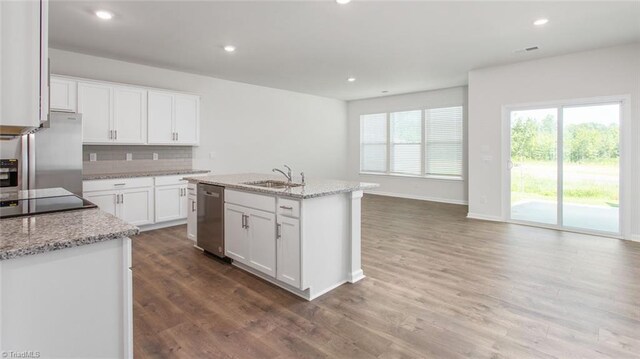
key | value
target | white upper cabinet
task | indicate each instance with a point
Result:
(63, 94)
(187, 109)
(95, 103)
(129, 115)
(24, 66)
(112, 114)
(160, 118)
(173, 118)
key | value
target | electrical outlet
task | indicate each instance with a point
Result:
(155, 156)
(129, 156)
(93, 157)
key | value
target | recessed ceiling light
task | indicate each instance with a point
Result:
(104, 15)
(229, 48)
(351, 79)
(540, 22)
(342, 2)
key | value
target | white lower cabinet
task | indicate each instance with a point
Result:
(171, 203)
(236, 236)
(288, 251)
(262, 241)
(134, 205)
(192, 212)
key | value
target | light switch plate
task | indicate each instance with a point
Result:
(155, 156)
(129, 156)
(93, 157)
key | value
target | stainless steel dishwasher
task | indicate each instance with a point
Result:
(211, 219)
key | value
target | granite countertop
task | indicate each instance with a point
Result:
(23, 236)
(313, 188)
(140, 174)
(34, 193)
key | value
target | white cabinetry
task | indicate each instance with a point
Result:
(288, 251)
(24, 66)
(171, 198)
(262, 241)
(192, 211)
(112, 114)
(63, 93)
(132, 200)
(70, 303)
(236, 235)
(173, 118)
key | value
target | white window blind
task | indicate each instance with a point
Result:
(406, 142)
(373, 143)
(444, 141)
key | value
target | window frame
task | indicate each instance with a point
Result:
(423, 146)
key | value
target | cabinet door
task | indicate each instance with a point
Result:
(288, 252)
(136, 206)
(95, 105)
(169, 203)
(262, 241)
(192, 218)
(105, 200)
(235, 235)
(63, 94)
(187, 111)
(160, 107)
(129, 115)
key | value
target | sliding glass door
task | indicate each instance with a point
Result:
(565, 167)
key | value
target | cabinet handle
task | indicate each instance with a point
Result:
(177, 136)
(246, 225)
(117, 199)
(122, 198)
(116, 134)
(286, 207)
(111, 134)
(119, 184)
(243, 221)
(193, 206)
(278, 230)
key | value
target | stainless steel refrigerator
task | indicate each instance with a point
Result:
(52, 157)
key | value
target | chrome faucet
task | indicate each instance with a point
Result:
(287, 175)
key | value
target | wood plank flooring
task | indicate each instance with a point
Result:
(438, 285)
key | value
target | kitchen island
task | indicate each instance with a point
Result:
(65, 284)
(303, 238)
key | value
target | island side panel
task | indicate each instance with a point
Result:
(326, 243)
(356, 272)
(67, 303)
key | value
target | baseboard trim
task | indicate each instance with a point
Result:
(419, 198)
(483, 217)
(634, 237)
(150, 227)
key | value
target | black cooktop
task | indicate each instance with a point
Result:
(29, 207)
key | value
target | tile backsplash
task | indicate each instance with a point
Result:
(113, 159)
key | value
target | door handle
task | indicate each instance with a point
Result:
(278, 231)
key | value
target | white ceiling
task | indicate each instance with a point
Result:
(313, 46)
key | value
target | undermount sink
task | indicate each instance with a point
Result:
(274, 184)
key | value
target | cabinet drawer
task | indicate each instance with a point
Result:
(288, 207)
(251, 200)
(170, 180)
(101, 185)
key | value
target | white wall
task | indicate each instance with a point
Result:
(451, 191)
(603, 72)
(245, 128)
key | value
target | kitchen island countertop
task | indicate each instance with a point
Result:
(23, 236)
(313, 187)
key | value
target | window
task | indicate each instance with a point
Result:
(419, 143)
(443, 150)
(406, 142)
(373, 143)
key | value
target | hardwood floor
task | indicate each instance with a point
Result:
(438, 285)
